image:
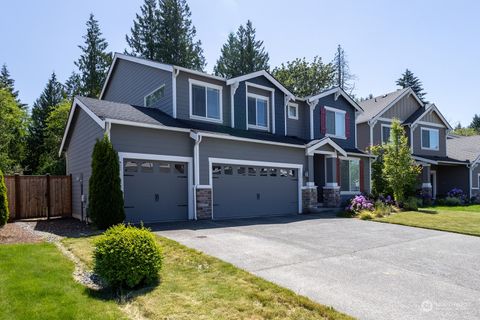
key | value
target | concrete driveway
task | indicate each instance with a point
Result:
(366, 269)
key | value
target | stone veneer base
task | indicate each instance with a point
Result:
(204, 203)
(309, 198)
(331, 197)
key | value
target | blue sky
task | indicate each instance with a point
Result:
(437, 40)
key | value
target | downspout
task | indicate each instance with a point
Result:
(196, 168)
(233, 90)
(470, 173)
(312, 105)
(108, 127)
(174, 91)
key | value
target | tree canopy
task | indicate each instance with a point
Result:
(343, 77)
(408, 79)
(475, 125)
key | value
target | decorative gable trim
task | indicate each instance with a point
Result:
(338, 92)
(266, 75)
(313, 145)
(431, 108)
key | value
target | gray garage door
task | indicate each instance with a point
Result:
(155, 190)
(248, 191)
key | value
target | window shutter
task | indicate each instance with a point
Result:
(323, 121)
(338, 171)
(362, 180)
(347, 125)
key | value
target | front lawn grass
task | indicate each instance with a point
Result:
(461, 219)
(196, 286)
(36, 283)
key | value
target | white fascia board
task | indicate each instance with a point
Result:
(89, 112)
(337, 90)
(391, 104)
(425, 160)
(361, 155)
(146, 125)
(234, 138)
(323, 142)
(266, 75)
(200, 73)
(433, 108)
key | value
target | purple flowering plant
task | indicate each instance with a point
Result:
(456, 193)
(359, 203)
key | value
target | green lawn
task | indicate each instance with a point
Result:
(196, 286)
(461, 219)
(36, 283)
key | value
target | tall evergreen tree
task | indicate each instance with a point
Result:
(6, 82)
(408, 79)
(343, 77)
(73, 85)
(242, 53)
(50, 98)
(94, 61)
(165, 33)
(475, 125)
(304, 78)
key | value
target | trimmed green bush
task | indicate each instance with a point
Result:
(4, 213)
(453, 201)
(412, 204)
(126, 256)
(105, 194)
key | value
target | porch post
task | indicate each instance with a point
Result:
(331, 190)
(309, 192)
(426, 185)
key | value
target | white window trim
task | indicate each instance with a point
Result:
(145, 98)
(421, 139)
(381, 131)
(206, 85)
(295, 106)
(257, 96)
(359, 168)
(344, 137)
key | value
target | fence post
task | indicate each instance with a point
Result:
(47, 194)
(18, 201)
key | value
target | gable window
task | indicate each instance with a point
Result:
(335, 123)
(258, 117)
(205, 101)
(430, 138)
(385, 133)
(293, 111)
(154, 96)
(350, 175)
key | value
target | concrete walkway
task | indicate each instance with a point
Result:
(366, 269)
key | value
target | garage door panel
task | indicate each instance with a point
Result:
(155, 190)
(249, 191)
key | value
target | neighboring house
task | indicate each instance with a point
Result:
(467, 149)
(196, 146)
(427, 131)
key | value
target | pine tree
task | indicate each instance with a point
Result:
(165, 33)
(73, 85)
(242, 54)
(144, 40)
(343, 77)
(408, 79)
(6, 82)
(4, 212)
(475, 125)
(94, 62)
(51, 96)
(105, 194)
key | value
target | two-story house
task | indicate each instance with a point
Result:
(427, 131)
(196, 146)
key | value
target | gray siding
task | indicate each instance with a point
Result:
(183, 96)
(130, 82)
(403, 108)
(151, 141)
(363, 136)
(417, 147)
(222, 148)
(84, 132)
(433, 118)
(301, 127)
(475, 177)
(377, 132)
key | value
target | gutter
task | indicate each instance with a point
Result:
(196, 168)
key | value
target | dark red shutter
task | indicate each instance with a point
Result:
(347, 125)
(338, 171)
(323, 121)
(362, 182)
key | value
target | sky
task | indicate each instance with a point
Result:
(437, 40)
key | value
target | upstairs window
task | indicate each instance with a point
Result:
(350, 175)
(154, 96)
(205, 101)
(385, 133)
(430, 139)
(293, 111)
(258, 117)
(335, 123)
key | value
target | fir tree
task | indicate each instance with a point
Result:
(105, 195)
(73, 85)
(144, 38)
(408, 79)
(6, 82)
(94, 62)
(343, 76)
(242, 54)
(4, 212)
(51, 96)
(475, 125)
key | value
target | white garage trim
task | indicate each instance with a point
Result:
(158, 157)
(299, 167)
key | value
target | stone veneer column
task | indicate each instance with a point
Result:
(476, 195)
(309, 198)
(427, 190)
(204, 203)
(331, 190)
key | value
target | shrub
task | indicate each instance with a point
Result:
(105, 194)
(365, 215)
(459, 194)
(126, 256)
(4, 214)
(412, 204)
(359, 203)
(382, 209)
(452, 201)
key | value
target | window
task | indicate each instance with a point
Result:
(205, 101)
(252, 171)
(293, 111)
(430, 139)
(241, 171)
(131, 166)
(350, 175)
(264, 172)
(147, 167)
(385, 133)
(335, 123)
(154, 96)
(258, 112)
(179, 168)
(216, 169)
(164, 167)
(228, 170)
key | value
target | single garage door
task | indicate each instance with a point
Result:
(155, 190)
(248, 191)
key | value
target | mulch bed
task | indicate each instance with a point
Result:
(13, 233)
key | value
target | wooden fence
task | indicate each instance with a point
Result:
(39, 196)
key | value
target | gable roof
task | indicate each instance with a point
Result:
(338, 92)
(420, 113)
(376, 106)
(259, 74)
(464, 148)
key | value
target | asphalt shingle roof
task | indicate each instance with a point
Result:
(374, 106)
(464, 148)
